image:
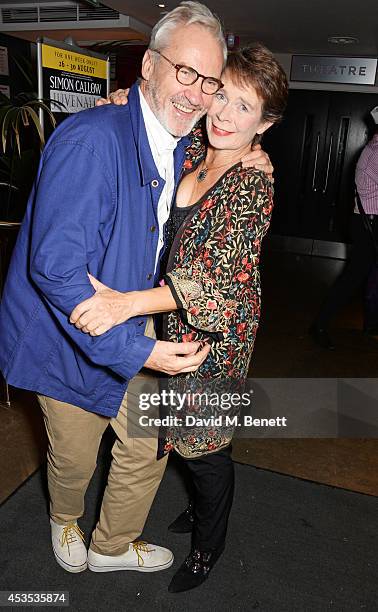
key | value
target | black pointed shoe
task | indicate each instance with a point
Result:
(194, 571)
(184, 522)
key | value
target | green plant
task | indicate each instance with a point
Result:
(18, 114)
(22, 140)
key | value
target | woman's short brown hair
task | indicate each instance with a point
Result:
(255, 65)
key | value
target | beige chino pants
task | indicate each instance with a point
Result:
(74, 437)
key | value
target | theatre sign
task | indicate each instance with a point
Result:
(327, 69)
(73, 77)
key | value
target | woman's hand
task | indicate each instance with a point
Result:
(259, 159)
(103, 310)
(119, 97)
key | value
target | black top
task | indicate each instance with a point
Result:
(176, 218)
(174, 222)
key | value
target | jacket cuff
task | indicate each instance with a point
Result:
(183, 288)
(135, 357)
(168, 281)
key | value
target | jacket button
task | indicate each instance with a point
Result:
(155, 183)
(153, 228)
(149, 276)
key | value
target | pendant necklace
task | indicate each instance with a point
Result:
(202, 174)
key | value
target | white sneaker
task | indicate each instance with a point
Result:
(68, 546)
(141, 557)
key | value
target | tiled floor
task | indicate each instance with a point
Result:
(293, 288)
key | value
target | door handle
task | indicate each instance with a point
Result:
(315, 163)
(328, 163)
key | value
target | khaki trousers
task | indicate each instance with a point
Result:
(74, 437)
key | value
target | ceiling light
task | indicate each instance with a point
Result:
(343, 40)
(161, 5)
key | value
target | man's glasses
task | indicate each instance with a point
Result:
(188, 76)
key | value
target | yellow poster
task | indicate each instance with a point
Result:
(71, 61)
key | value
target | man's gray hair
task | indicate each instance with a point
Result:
(187, 13)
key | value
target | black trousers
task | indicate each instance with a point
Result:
(353, 276)
(212, 480)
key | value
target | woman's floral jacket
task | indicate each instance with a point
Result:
(213, 272)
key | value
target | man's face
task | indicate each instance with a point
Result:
(178, 107)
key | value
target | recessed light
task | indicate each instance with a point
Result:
(343, 40)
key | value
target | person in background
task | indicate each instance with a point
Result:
(363, 255)
(99, 203)
(214, 232)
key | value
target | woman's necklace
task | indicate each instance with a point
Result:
(202, 174)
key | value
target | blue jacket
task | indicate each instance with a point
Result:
(93, 209)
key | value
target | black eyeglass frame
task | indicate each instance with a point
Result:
(178, 67)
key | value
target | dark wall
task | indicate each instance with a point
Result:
(129, 65)
(16, 48)
(314, 151)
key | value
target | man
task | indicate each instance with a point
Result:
(101, 197)
(363, 254)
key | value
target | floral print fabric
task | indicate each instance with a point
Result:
(215, 275)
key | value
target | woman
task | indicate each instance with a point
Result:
(212, 285)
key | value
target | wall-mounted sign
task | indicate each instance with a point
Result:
(72, 76)
(326, 69)
(4, 68)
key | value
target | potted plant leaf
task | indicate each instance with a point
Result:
(22, 140)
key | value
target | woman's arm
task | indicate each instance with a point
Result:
(108, 307)
(203, 290)
(212, 287)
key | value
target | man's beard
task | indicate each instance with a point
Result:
(163, 114)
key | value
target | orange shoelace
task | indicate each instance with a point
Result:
(69, 535)
(141, 547)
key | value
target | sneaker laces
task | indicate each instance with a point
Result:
(69, 535)
(141, 547)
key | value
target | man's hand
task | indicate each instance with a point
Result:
(175, 358)
(118, 97)
(103, 310)
(257, 158)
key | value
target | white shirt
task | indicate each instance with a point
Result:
(162, 145)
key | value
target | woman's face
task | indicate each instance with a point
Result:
(234, 117)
